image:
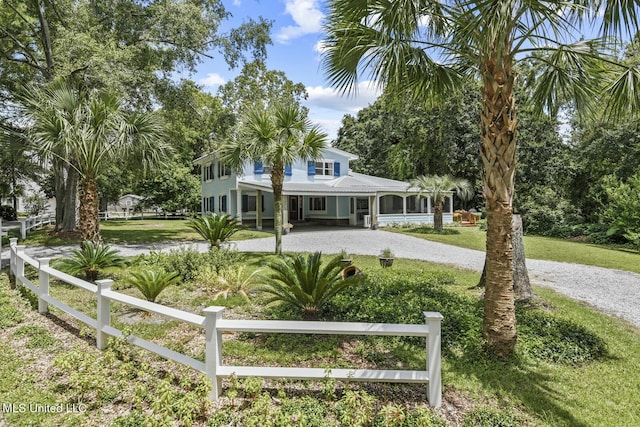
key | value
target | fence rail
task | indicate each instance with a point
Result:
(214, 325)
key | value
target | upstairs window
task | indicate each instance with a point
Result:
(208, 172)
(324, 168)
(223, 170)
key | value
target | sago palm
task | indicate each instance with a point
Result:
(215, 229)
(89, 130)
(439, 187)
(277, 136)
(305, 283)
(151, 283)
(90, 259)
(428, 48)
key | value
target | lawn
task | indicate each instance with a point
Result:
(536, 247)
(575, 367)
(133, 232)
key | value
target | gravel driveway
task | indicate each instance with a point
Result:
(612, 291)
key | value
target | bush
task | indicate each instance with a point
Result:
(305, 283)
(7, 213)
(543, 336)
(402, 296)
(90, 259)
(151, 283)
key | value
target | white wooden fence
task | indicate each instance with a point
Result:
(35, 222)
(215, 325)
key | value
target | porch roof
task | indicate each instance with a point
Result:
(354, 183)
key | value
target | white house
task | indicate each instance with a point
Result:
(325, 191)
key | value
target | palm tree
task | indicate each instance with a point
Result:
(428, 48)
(278, 136)
(89, 259)
(90, 130)
(439, 187)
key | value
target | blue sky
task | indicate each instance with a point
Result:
(297, 36)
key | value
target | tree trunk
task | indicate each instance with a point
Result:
(498, 155)
(89, 204)
(521, 284)
(437, 216)
(277, 179)
(66, 185)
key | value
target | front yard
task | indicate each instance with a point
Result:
(574, 366)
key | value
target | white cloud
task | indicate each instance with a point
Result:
(212, 79)
(324, 97)
(320, 47)
(307, 16)
(237, 3)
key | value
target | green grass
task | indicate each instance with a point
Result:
(543, 248)
(133, 232)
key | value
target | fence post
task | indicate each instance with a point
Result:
(433, 358)
(43, 284)
(13, 243)
(23, 229)
(19, 269)
(213, 348)
(103, 317)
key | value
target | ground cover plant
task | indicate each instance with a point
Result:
(574, 366)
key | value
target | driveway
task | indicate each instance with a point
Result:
(612, 291)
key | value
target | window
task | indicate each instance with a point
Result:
(222, 203)
(249, 203)
(317, 204)
(391, 204)
(416, 205)
(324, 168)
(266, 169)
(223, 170)
(208, 172)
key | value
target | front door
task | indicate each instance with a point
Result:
(295, 212)
(362, 209)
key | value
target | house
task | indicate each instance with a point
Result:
(325, 191)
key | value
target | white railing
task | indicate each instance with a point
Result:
(35, 222)
(3, 232)
(214, 325)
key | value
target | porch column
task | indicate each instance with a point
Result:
(373, 209)
(429, 205)
(239, 205)
(285, 210)
(451, 203)
(259, 210)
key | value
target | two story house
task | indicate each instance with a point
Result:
(323, 191)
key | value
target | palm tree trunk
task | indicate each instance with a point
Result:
(66, 184)
(498, 155)
(277, 179)
(89, 205)
(437, 215)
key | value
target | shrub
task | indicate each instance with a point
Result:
(151, 283)
(90, 259)
(185, 261)
(215, 229)
(305, 283)
(556, 340)
(235, 282)
(7, 213)
(402, 296)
